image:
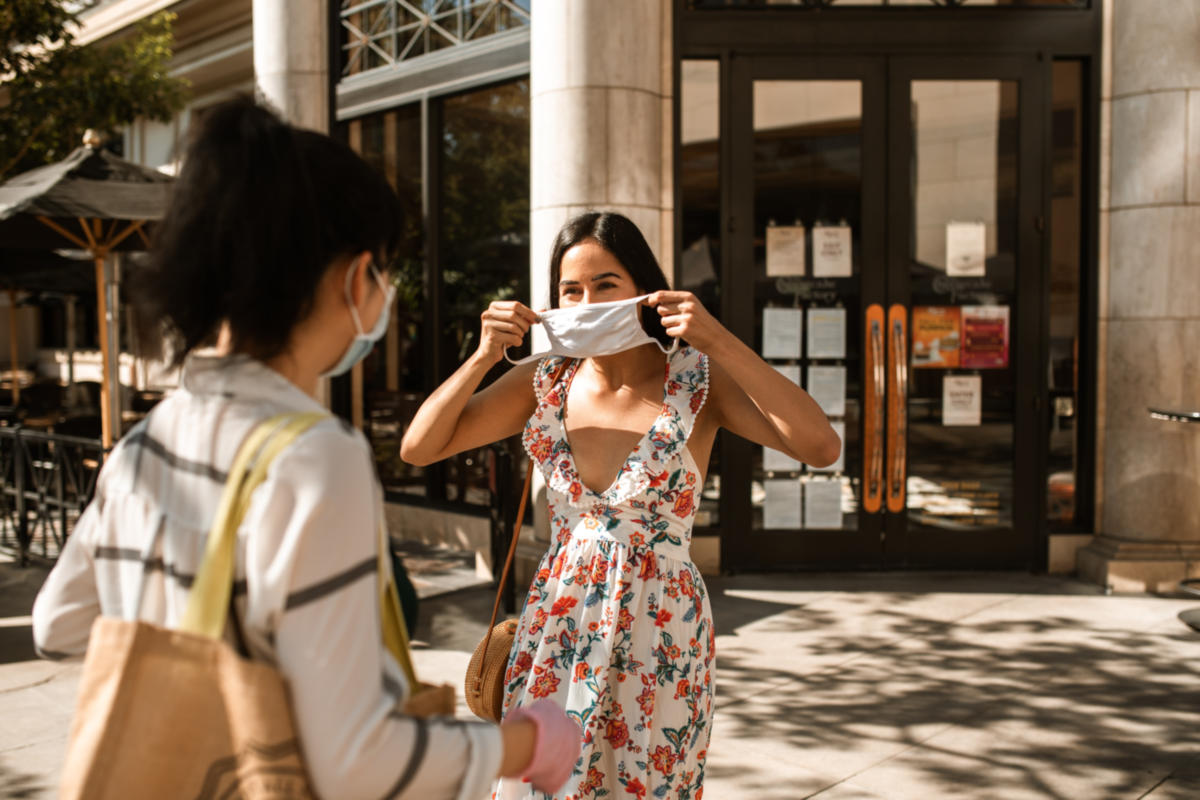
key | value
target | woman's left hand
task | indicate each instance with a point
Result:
(685, 317)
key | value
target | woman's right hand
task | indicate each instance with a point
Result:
(554, 742)
(504, 324)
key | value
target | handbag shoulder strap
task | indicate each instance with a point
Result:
(516, 531)
(208, 601)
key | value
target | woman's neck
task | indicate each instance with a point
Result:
(628, 367)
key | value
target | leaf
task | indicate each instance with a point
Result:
(690, 616)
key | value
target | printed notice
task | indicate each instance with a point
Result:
(783, 332)
(837, 466)
(984, 337)
(827, 385)
(962, 400)
(966, 249)
(775, 461)
(785, 250)
(823, 504)
(781, 505)
(789, 371)
(827, 333)
(831, 251)
(935, 333)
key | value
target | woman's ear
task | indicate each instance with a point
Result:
(361, 280)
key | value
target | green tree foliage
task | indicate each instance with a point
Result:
(53, 89)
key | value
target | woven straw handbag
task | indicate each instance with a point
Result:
(484, 685)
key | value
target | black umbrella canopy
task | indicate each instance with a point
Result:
(44, 271)
(90, 184)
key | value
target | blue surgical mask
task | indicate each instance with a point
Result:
(363, 343)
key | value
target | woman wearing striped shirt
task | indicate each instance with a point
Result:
(277, 243)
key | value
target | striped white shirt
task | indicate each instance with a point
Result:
(305, 593)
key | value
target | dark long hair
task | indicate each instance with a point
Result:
(260, 211)
(618, 235)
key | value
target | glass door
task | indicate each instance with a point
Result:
(809, 255)
(964, 311)
(886, 258)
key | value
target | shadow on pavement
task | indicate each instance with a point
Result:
(1013, 708)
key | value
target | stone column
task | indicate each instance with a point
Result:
(600, 138)
(1148, 477)
(291, 69)
(291, 59)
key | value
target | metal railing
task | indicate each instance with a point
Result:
(46, 480)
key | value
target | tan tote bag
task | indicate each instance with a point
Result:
(178, 713)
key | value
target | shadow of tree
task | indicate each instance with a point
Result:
(18, 785)
(1009, 708)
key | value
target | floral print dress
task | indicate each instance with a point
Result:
(617, 627)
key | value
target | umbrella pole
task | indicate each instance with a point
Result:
(12, 345)
(106, 432)
(71, 340)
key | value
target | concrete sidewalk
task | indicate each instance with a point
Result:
(842, 687)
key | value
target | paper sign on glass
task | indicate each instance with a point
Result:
(984, 337)
(789, 371)
(827, 333)
(935, 333)
(785, 250)
(775, 461)
(781, 505)
(827, 385)
(962, 400)
(783, 332)
(966, 249)
(837, 466)
(831, 251)
(823, 504)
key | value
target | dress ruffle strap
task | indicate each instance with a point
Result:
(684, 394)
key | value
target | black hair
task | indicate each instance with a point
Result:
(260, 211)
(618, 235)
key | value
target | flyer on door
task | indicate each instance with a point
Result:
(984, 337)
(936, 337)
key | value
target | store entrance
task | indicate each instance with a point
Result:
(888, 258)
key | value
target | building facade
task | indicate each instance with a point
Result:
(968, 228)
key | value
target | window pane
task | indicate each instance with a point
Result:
(394, 378)
(1066, 214)
(810, 4)
(484, 242)
(808, 183)
(960, 472)
(700, 200)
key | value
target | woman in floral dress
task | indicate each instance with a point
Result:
(617, 627)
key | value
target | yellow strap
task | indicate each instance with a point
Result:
(391, 617)
(208, 601)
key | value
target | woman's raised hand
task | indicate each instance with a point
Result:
(505, 323)
(685, 317)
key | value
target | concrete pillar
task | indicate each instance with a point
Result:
(1148, 470)
(600, 138)
(291, 59)
(291, 68)
(601, 120)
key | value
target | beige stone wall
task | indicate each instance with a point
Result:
(1149, 471)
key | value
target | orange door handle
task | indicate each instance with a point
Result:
(875, 379)
(897, 407)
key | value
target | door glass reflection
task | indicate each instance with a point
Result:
(807, 292)
(963, 292)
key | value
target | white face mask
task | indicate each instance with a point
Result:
(595, 329)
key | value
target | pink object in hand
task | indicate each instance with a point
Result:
(556, 746)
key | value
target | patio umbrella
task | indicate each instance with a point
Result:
(93, 200)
